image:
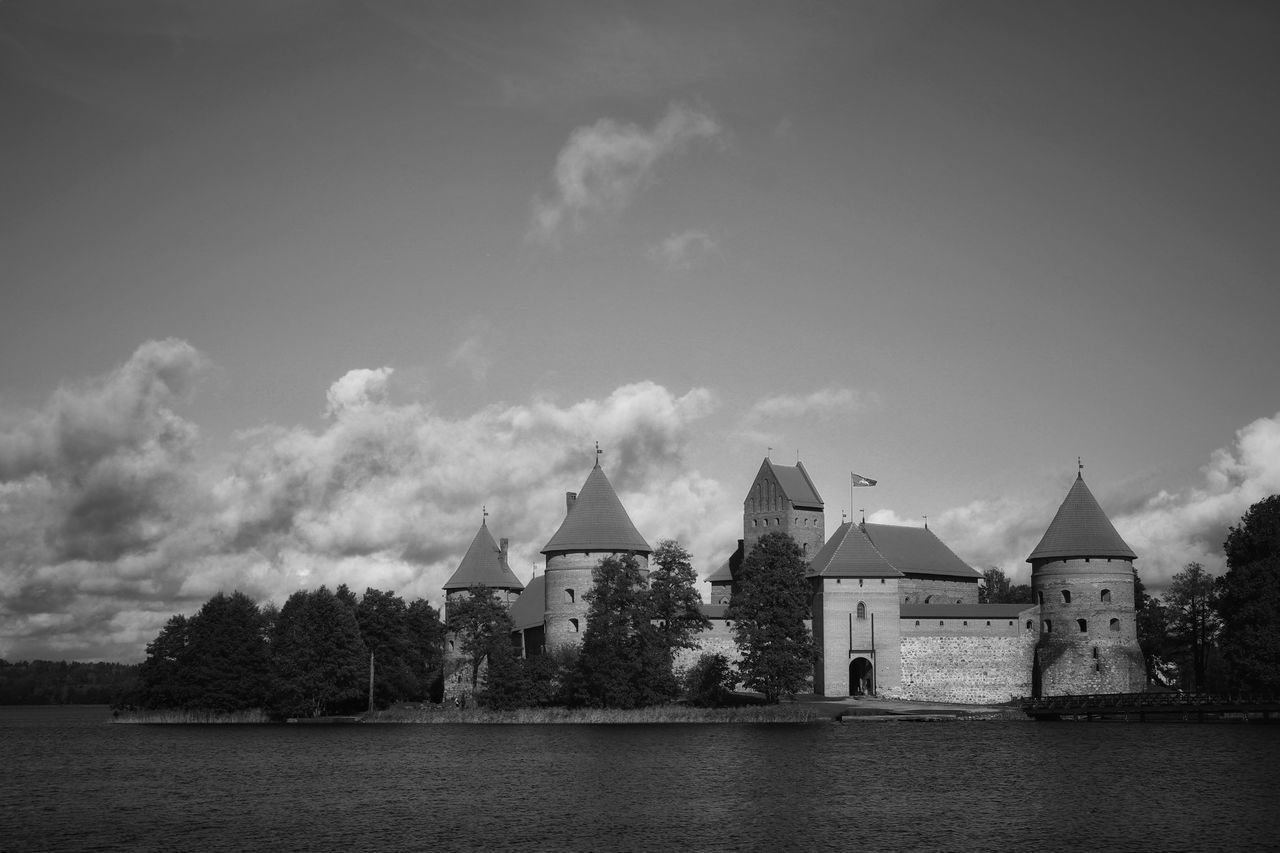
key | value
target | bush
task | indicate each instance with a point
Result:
(709, 683)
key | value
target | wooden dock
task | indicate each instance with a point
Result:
(1142, 707)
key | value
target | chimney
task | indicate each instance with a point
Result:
(569, 499)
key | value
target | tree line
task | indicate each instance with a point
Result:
(309, 658)
(48, 682)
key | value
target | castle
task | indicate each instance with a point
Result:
(894, 611)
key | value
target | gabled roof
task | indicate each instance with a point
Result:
(528, 610)
(1081, 529)
(483, 565)
(795, 484)
(597, 521)
(915, 550)
(850, 554)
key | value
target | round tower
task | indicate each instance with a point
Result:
(595, 526)
(1082, 578)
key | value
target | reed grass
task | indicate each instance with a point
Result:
(179, 716)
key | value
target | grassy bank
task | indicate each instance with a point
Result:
(786, 713)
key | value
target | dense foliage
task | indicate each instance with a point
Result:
(768, 609)
(309, 658)
(624, 661)
(1249, 599)
(47, 682)
(709, 683)
(674, 602)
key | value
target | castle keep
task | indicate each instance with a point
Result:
(894, 611)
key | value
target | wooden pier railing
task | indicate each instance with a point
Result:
(1141, 706)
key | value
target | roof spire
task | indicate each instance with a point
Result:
(1079, 468)
(768, 453)
(599, 453)
(484, 514)
(926, 521)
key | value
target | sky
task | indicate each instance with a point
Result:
(293, 292)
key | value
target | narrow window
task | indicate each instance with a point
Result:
(1040, 598)
(966, 623)
(1095, 652)
(941, 623)
(1106, 596)
(917, 623)
(1047, 627)
(862, 610)
(1066, 596)
(1115, 625)
(568, 596)
(573, 626)
(1029, 626)
(804, 549)
(724, 599)
(1084, 626)
(753, 522)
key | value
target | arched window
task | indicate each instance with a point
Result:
(724, 599)
(928, 599)
(1029, 625)
(862, 610)
(1115, 625)
(804, 549)
(1066, 596)
(573, 626)
(1106, 596)
(1084, 625)
(1040, 598)
(1047, 626)
(568, 596)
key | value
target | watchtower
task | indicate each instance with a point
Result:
(1082, 578)
(595, 526)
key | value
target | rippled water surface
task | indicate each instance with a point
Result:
(70, 780)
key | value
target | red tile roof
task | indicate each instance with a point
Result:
(529, 608)
(1080, 529)
(850, 554)
(597, 522)
(483, 565)
(915, 550)
(796, 485)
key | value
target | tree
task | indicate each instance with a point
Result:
(624, 661)
(384, 627)
(426, 634)
(768, 610)
(319, 663)
(996, 588)
(162, 674)
(481, 623)
(1249, 598)
(226, 659)
(1190, 606)
(674, 602)
(1153, 635)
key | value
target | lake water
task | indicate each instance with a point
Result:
(71, 780)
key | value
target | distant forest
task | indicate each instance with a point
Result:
(49, 682)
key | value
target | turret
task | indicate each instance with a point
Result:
(595, 526)
(1082, 578)
(484, 564)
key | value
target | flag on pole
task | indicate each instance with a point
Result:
(859, 480)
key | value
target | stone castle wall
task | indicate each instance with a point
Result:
(933, 590)
(966, 668)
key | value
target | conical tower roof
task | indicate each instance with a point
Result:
(597, 521)
(484, 564)
(1080, 529)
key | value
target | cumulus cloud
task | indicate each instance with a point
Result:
(358, 389)
(604, 165)
(110, 522)
(683, 251)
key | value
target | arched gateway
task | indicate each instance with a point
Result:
(860, 680)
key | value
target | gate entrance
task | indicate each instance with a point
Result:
(860, 677)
